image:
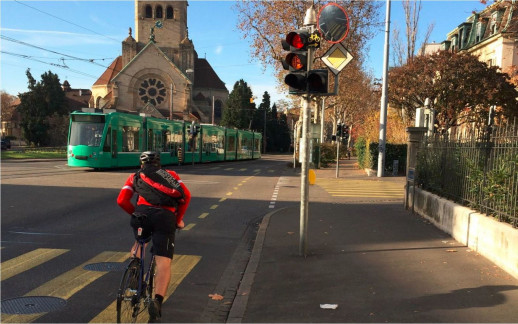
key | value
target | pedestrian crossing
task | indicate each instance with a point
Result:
(362, 188)
(75, 280)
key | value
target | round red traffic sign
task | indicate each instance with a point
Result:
(333, 23)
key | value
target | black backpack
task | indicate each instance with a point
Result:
(158, 187)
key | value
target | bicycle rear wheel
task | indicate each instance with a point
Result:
(129, 304)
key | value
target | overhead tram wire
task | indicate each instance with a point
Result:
(27, 57)
(69, 22)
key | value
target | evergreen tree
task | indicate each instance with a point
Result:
(240, 108)
(44, 100)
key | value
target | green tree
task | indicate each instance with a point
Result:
(44, 101)
(240, 108)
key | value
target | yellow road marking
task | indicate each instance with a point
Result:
(223, 199)
(229, 193)
(214, 206)
(244, 169)
(189, 226)
(203, 215)
(67, 284)
(180, 267)
(239, 184)
(235, 188)
(229, 169)
(28, 261)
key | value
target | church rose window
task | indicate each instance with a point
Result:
(152, 91)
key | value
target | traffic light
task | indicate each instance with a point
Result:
(317, 81)
(296, 61)
(189, 131)
(345, 132)
(339, 130)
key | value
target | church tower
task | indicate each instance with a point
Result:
(168, 22)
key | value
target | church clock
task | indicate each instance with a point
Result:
(152, 91)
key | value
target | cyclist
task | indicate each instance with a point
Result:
(159, 224)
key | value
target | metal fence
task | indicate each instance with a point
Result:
(476, 167)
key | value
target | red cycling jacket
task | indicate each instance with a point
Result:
(127, 191)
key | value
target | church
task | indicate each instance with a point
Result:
(159, 72)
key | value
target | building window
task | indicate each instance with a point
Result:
(158, 12)
(479, 32)
(493, 27)
(152, 91)
(169, 12)
(149, 11)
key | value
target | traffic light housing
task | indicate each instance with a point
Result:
(318, 81)
(345, 132)
(296, 61)
(339, 130)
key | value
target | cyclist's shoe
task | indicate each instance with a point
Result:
(155, 311)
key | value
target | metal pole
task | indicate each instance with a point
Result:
(171, 106)
(212, 110)
(321, 130)
(264, 132)
(304, 182)
(384, 98)
(309, 20)
(337, 156)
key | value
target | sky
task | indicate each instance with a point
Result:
(79, 39)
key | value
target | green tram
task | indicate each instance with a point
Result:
(113, 140)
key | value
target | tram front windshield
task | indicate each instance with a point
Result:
(86, 132)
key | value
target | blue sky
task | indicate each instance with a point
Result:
(94, 30)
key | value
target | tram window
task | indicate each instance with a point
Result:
(107, 147)
(231, 143)
(130, 139)
(166, 141)
(86, 134)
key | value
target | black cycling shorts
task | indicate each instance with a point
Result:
(159, 226)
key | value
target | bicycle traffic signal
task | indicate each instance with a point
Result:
(317, 81)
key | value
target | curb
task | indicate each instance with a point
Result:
(237, 311)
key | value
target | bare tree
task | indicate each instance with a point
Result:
(405, 50)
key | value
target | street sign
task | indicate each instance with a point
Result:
(336, 58)
(333, 23)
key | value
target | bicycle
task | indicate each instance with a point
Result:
(136, 287)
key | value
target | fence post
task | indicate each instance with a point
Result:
(415, 137)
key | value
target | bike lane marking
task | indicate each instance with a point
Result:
(180, 268)
(67, 284)
(28, 261)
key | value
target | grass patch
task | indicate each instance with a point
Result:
(32, 154)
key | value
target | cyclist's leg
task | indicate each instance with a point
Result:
(163, 275)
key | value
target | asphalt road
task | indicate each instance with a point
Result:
(56, 219)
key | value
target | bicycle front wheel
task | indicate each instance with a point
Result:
(129, 303)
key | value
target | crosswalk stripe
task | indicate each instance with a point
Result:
(189, 226)
(180, 267)
(67, 284)
(28, 261)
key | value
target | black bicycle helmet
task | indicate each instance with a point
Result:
(150, 157)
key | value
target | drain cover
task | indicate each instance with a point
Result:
(106, 266)
(32, 305)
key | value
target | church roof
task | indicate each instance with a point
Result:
(206, 77)
(110, 72)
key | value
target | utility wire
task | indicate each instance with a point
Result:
(69, 22)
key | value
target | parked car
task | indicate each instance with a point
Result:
(6, 144)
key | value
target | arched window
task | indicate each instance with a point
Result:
(98, 102)
(169, 13)
(149, 11)
(158, 11)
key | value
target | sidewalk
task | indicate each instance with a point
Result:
(374, 260)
